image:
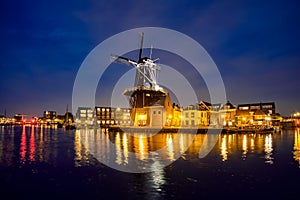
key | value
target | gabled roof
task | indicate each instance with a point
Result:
(228, 105)
(259, 112)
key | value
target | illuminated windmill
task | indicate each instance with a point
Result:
(146, 95)
(146, 69)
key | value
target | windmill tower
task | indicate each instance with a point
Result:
(150, 103)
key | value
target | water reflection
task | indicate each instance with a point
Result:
(244, 147)
(139, 150)
(223, 148)
(7, 146)
(121, 148)
(247, 144)
(297, 145)
(268, 149)
(32, 145)
(23, 147)
(27, 144)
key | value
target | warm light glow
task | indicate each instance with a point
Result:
(143, 150)
(268, 149)
(170, 147)
(125, 148)
(118, 149)
(142, 117)
(244, 147)
(23, 146)
(224, 152)
(32, 145)
(297, 146)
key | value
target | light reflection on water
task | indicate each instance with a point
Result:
(141, 145)
(43, 155)
(296, 151)
(40, 144)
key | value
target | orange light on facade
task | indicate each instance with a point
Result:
(141, 117)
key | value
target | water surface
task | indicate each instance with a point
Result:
(43, 162)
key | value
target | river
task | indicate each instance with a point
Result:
(47, 163)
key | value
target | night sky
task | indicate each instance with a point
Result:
(255, 45)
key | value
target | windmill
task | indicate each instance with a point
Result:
(146, 68)
(146, 95)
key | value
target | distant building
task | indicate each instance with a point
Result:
(49, 115)
(85, 116)
(122, 116)
(2, 119)
(197, 115)
(105, 116)
(227, 114)
(256, 114)
(19, 119)
(267, 108)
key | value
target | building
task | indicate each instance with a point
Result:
(256, 114)
(198, 115)
(267, 108)
(105, 116)
(149, 107)
(122, 117)
(85, 116)
(2, 119)
(227, 114)
(49, 115)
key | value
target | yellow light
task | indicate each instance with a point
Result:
(170, 116)
(142, 117)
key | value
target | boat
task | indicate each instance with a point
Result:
(69, 123)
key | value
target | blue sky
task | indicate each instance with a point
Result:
(43, 43)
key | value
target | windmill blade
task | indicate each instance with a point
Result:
(123, 60)
(141, 46)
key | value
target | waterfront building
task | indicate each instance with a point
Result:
(122, 117)
(267, 108)
(105, 116)
(257, 114)
(19, 119)
(227, 114)
(248, 118)
(197, 115)
(190, 116)
(84, 116)
(177, 115)
(49, 115)
(2, 119)
(295, 119)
